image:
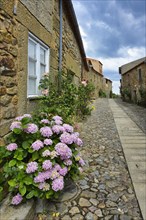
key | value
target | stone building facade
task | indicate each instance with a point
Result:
(107, 87)
(133, 81)
(94, 75)
(29, 42)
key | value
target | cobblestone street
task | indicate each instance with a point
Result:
(106, 190)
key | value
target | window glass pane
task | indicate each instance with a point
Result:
(43, 68)
(32, 87)
(32, 68)
(42, 55)
(32, 49)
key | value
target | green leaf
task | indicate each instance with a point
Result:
(25, 121)
(12, 183)
(17, 130)
(19, 157)
(35, 155)
(22, 190)
(1, 188)
(12, 163)
(30, 195)
(30, 150)
(28, 180)
(25, 144)
(49, 194)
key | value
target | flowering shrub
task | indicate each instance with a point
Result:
(40, 157)
(72, 101)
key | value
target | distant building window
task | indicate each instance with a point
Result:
(38, 63)
(139, 75)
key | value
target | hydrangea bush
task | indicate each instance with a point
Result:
(40, 157)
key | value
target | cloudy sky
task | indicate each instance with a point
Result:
(113, 31)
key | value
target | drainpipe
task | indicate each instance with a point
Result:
(60, 48)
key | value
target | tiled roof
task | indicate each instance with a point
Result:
(127, 67)
(95, 64)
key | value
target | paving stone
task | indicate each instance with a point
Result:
(78, 217)
(74, 210)
(92, 208)
(125, 217)
(66, 217)
(84, 202)
(88, 194)
(101, 205)
(90, 216)
(98, 212)
(94, 201)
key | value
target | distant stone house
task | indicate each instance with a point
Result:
(107, 87)
(94, 75)
(133, 81)
(35, 37)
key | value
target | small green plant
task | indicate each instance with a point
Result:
(40, 157)
(126, 93)
(102, 94)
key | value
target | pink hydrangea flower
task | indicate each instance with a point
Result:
(68, 128)
(67, 162)
(31, 167)
(44, 186)
(63, 150)
(31, 128)
(45, 92)
(63, 171)
(57, 129)
(15, 124)
(81, 162)
(58, 122)
(12, 146)
(53, 154)
(19, 118)
(37, 145)
(47, 164)
(48, 142)
(55, 174)
(17, 199)
(46, 153)
(57, 117)
(42, 176)
(46, 131)
(80, 169)
(66, 138)
(58, 184)
(79, 142)
(45, 121)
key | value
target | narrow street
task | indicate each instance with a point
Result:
(107, 190)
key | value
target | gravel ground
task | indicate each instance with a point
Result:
(106, 190)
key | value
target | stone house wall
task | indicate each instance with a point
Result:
(94, 75)
(131, 83)
(41, 18)
(107, 87)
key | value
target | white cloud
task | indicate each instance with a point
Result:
(126, 55)
(116, 85)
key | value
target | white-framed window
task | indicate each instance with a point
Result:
(38, 63)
